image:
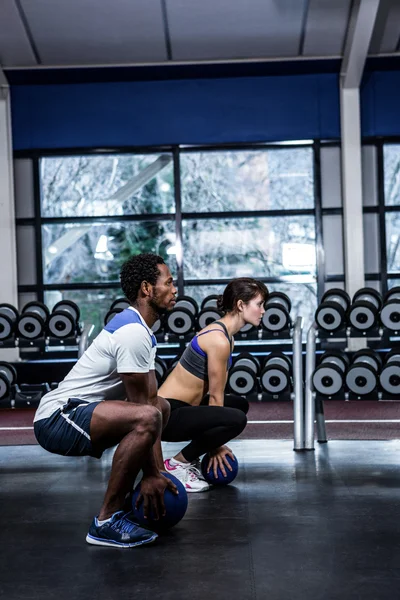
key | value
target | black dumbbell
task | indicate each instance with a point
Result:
(28, 395)
(8, 321)
(8, 378)
(389, 377)
(242, 377)
(182, 318)
(362, 375)
(188, 303)
(364, 311)
(277, 312)
(158, 326)
(32, 322)
(120, 303)
(328, 377)
(331, 313)
(390, 313)
(207, 316)
(275, 376)
(161, 370)
(245, 359)
(64, 320)
(111, 314)
(210, 302)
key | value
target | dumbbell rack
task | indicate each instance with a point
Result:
(313, 404)
(43, 345)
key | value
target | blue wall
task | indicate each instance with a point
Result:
(380, 104)
(195, 111)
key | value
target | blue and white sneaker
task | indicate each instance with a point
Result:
(119, 532)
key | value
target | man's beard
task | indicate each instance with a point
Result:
(159, 310)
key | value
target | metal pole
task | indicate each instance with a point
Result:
(310, 396)
(84, 339)
(320, 419)
(298, 401)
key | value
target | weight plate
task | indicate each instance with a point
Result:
(121, 303)
(361, 379)
(187, 302)
(390, 377)
(6, 327)
(394, 294)
(275, 318)
(30, 326)
(179, 321)
(330, 316)
(210, 302)
(368, 295)
(9, 372)
(245, 359)
(278, 358)
(61, 324)
(4, 387)
(279, 298)
(368, 356)
(157, 326)
(339, 296)
(328, 379)
(336, 358)
(392, 355)
(390, 314)
(362, 315)
(161, 369)
(9, 311)
(207, 316)
(247, 328)
(241, 381)
(274, 379)
(111, 314)
(37, 308)
(70, 307)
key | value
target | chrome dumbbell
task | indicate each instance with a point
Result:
(362, 375)
(277, 312)
(364, 311)
(329, 376)
(275, 377)
(331, 312)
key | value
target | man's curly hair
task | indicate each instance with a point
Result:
(142, 267)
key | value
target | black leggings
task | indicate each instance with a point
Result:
(207, 426)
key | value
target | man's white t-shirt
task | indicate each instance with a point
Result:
(125, 345)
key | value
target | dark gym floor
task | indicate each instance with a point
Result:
(321, 525)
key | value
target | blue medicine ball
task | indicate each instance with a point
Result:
(220, 479)
(175, 507)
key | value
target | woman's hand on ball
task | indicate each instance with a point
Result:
(218, 459)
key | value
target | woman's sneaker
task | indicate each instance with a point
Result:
(120, 532)
(188, 473)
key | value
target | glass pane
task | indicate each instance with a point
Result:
(393, 283)
(256, 247)
(93, 304)
(251, 180)
(107, 185)
(94, 253)
(393, 241)
(391, 158)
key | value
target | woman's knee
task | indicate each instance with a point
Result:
(238, 402)
(237, 420)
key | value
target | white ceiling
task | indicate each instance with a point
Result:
(104, 32)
